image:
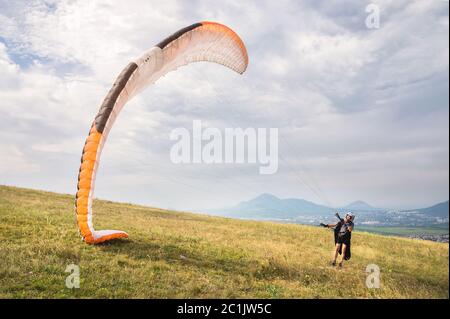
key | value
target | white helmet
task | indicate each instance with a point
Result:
(351, 215)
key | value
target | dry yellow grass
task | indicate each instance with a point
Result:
(183, 255)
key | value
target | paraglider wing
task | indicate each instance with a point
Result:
(204, 41)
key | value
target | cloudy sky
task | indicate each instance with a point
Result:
(362, 113)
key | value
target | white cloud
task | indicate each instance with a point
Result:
(13, 161)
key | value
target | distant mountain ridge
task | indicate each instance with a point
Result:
(438, 210)
(269, 206)
(360, 205)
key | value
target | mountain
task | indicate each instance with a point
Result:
(360, 205)
(268, 206)
(438, 210)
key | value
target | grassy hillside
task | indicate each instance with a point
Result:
(172, 254)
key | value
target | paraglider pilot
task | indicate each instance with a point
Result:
(342, 236)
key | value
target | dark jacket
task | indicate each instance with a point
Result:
(343, 236)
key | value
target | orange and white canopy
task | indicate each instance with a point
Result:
(204, 41)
